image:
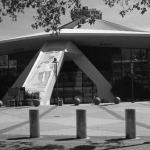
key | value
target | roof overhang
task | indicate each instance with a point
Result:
(126, 39)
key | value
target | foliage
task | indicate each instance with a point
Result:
(32, 95)
(48, 11)
(129, 5)
(36, 95)
(27, 95)
(86, 16)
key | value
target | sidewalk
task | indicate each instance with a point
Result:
(105, 127)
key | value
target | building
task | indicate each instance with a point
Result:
(89, 61)
(84, 11)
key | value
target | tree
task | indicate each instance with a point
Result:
(129, 5)
(48, 11)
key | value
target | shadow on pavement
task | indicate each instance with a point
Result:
(18, 138)
(120, 143)
(107, 104)
(67, 139)
(27, 145)
(108, 144)
(83, 147)
(116, 140)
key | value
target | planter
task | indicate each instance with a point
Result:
(36, 102)
(117, 100)
(30, 102)
(76, 101)
(97, 100)
(32, 98)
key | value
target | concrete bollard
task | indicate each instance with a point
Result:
(130, 123)
(81, 127)
(34, 123)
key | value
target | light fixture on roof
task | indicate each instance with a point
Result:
(18, 49)
(105, 44)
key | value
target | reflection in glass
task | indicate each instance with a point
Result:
(13, 68)
(125, 54)
(121, 66)
(68, 94)
(87, 92)
(4, 61)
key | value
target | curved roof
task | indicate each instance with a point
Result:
(106, 25)
(124, 39)
(98, 25)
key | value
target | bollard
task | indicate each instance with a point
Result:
(130, 123)
(34, 123)
(81, 128)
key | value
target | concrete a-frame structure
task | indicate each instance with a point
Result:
(103, 86)
(100, 34)
(69, 50)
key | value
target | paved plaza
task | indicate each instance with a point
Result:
(105, 127)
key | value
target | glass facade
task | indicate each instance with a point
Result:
(121, 65)
(100, 57)
(128, 63)
(113, 63)
(11, 66)
(73, 82)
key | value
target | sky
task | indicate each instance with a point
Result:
(10, 29)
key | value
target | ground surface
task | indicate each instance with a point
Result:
(105, 127)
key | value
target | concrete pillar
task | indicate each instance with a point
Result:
(130, 123)
(81, 127)
(34, 123)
